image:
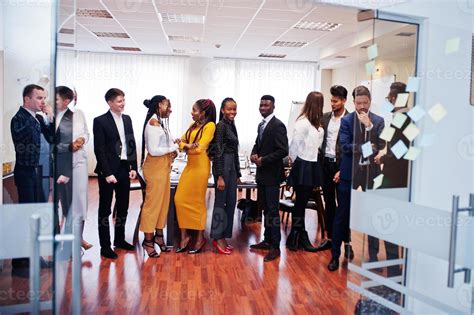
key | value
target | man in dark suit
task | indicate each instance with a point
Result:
(115, 150)
(358, 168)
(26, 128)
(271, 146)
(330, 158)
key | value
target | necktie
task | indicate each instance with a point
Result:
(261, 126)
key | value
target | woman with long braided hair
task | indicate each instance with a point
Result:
(191, 192)
(156, 170)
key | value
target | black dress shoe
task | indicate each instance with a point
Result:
(124, 245)
(348, 252)
(333, 264)
(108, 253)
(304, 243)
(292, 240)
(273, 254)
(262, 245)
(325, 245)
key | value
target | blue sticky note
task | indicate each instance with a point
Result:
(413, 84)
(370, 67)
(367, 149)
(399, 149)
(416, 113)
(372, 52)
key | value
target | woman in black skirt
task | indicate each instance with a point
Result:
(305, 172)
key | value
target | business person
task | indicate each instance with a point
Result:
(115, 150)
(357, 170)
(271, 146)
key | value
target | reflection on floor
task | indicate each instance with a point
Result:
(298, 282)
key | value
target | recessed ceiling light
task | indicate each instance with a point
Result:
(186, 52)
(265, 55)
(126, 48)
(279, 43)
(65, 45)
(93, 13)
(182, 38)
(405, 34)
(111, 34)
(182, 18)
(66, 31)
(316, 26)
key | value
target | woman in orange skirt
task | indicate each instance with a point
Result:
(191, 192)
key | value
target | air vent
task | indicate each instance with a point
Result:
(186, 52)
(181, 38)
(289, 44)
(65, 45)
(66, 31)
(264, 55)
(182, 18)
(126, 48)
(364, 47)
(341, 57)
(111, 35)
(93, 13)
(405, 34)
(316, 26)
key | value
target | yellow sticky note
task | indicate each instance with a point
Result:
(402, 99)
(378, 181)
(372, 52)
(370, 67)
(411, 131)
(437, 112)
(412, 154)
(387, 133)
(452, 45)
(398, 120)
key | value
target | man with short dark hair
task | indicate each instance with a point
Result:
(271, 146)
(357, 169)
(115, 150)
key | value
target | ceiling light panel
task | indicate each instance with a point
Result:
(279, 43)
(111, 34)
(183, 38)
(66, 31)
(93, 13)
(126, 48)
(186, 51)
(316, 26)
(265, 55)
(182, 18)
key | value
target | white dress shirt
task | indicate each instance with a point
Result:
(333, 132)
(306, 141)
(59, 116)
(79, 130)
(121, 130)
(156, 142)
(267, 120)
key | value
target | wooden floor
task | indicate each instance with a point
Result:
(206, 283)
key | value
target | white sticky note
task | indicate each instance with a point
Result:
(416, 113)
(387, 133)
(372, 52)
(437, 112)
(367, 149)
(452, 45)
(413, 84)
(370, 67)
(399, 149)
(398, 120)
(412, 153)
(387, 107)
(411, 131)
(378, 181)
(402, 99)
(426, 140)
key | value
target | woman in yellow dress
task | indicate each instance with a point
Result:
(190, 198)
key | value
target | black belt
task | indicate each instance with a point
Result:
(329, 159)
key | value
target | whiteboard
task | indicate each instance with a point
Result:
(295, 111)
(379, 89)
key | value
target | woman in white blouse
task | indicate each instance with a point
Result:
(305, 172)
(156, 170)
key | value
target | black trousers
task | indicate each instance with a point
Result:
(303, 193)
(329, 192)
(269, 200)
(122, 196)
(341, 232)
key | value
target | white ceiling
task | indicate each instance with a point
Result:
(242, 28)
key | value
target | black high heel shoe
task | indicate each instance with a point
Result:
(182, 249)
(149, 244)
(198, 249)
(161, 244)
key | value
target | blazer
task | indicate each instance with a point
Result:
(63, 143)
(108, 147)
(273, 148)
(325, 122)
(351, 139)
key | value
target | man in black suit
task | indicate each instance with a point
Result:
(26, 128)
(271, 146)
(115, 150)
(330, 158)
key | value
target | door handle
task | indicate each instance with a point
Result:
(453, 240)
